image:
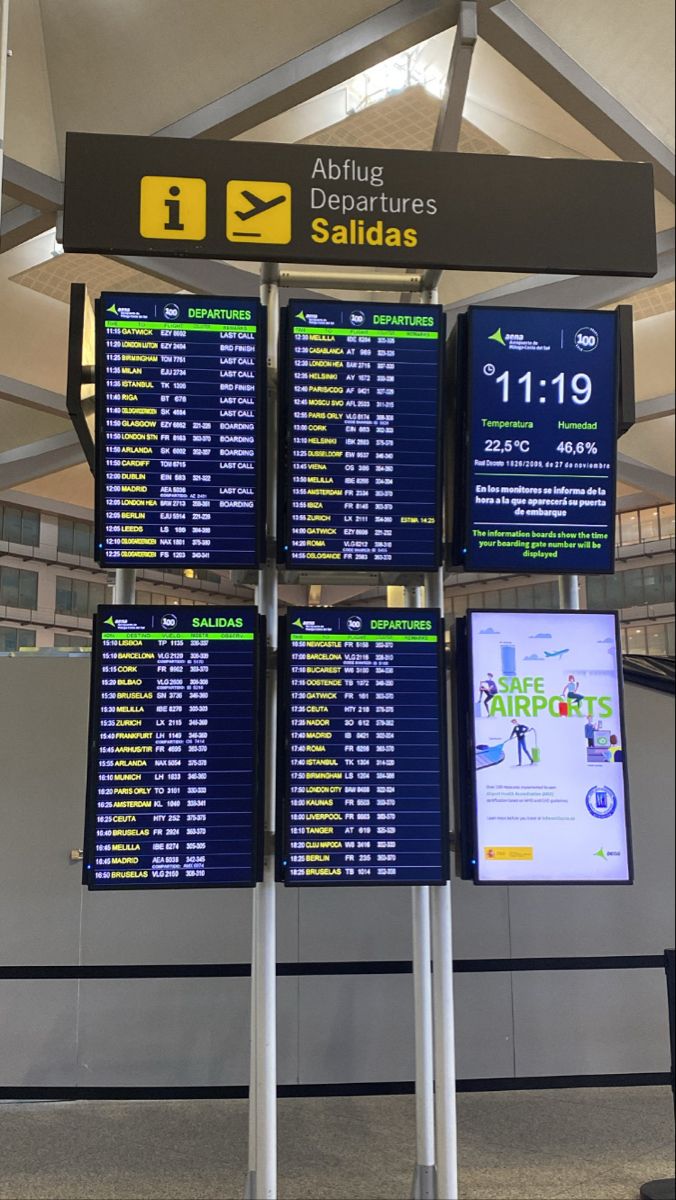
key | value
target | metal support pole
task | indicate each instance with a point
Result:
(424, 1180)
(424, 1174)
(569, 591)
(4, 54)
(250, 1185)
(262, 1178)
(124, 589)
(424, 1184)
(442, 1003)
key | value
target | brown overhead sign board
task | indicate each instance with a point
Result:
(344, 206)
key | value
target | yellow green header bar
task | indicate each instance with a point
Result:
(196, 635)
(363, 637)
(321, 330)
(180, 325)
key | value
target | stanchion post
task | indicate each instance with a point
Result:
(262, 1178)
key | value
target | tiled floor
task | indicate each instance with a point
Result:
(586, 1144)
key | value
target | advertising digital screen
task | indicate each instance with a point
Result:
(174, 748)
(363, 783)
(539, 450)
(546, 772)
(180, 383)
(363, 435)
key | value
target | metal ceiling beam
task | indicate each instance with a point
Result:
(633, 501)
(528, 48)
(22, 223)
(647, 478)
(447, 132)
(28, 186)
(30, 396)
(574, 291)
(656, 407)
(203, 276)
(206, 277)
(47, 504)
(396, 28)
(25, 463)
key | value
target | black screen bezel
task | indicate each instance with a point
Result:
(468, 800)
(283, 781)
(108, 560)
(93, 749)
(286, 410)
(463, 554)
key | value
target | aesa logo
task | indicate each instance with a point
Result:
(601, 801)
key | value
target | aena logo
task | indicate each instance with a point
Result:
(586, 339)
(171, 311)
(354, 624)
(497, 337)
(357, 317)
(169, 621)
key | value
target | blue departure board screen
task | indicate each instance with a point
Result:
(540, 447)
(180, 384)
(174, 756)
(363, 435)
(363, 787)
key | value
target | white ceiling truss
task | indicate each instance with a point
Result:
(518, 39)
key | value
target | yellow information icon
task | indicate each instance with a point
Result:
(173, 207)
(258, 210)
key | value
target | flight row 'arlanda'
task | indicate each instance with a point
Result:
(514, 420)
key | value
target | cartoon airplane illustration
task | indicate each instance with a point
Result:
(258, 206)
(556, 653)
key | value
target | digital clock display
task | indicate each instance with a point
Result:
(363, 436)
(363, 775)
(174, 768)
(538, 449)
(178, 439)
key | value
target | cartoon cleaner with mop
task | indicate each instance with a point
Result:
(519, 732)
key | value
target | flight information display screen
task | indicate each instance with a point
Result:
(540, 448)
(363, 787)
(174, 756)
(180, 384)
(363, 435)
(542, 747)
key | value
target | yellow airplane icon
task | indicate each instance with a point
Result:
(268, 216)
(257, 205)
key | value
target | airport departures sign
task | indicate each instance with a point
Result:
(333, 205)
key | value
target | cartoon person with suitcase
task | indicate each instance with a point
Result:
(571, 693)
